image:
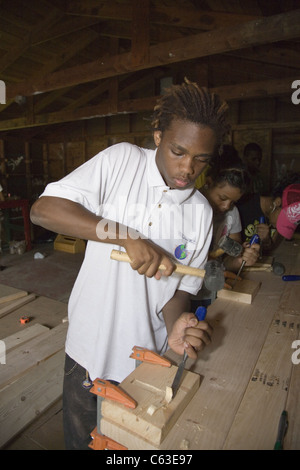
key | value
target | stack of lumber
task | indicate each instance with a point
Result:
(32, 358)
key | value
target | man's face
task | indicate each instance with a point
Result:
(183, 152)
(253, 160)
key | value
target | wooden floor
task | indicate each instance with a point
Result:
(53, 277)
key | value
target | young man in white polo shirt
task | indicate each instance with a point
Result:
(142, 202)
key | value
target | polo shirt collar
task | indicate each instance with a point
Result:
(155, 180)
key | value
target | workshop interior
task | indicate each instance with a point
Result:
(80, 82)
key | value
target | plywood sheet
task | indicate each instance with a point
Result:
(147, 386)
(244, 291)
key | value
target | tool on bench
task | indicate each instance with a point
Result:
(200, 314)
(291, 277)
(254, 239)
(213, 274)
(282, 428)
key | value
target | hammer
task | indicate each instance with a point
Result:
(227, 245)
(213, 274)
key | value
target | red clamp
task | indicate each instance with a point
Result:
(145, 355)
(101, 442)
(105, 389)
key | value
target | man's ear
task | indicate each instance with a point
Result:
(157, 137)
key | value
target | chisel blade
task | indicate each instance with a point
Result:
(200, 314)
(178, 376)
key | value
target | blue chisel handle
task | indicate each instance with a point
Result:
(254, 239)
(201, 313)
(291, 277)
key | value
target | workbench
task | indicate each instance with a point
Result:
(247, 374)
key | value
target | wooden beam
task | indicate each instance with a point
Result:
(109, 107)
(192, 17)
(140, 33)
(262, 31)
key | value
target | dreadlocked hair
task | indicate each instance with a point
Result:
(189, 102)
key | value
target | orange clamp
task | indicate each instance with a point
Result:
(145, 355)
(106, 389)
(101, 442)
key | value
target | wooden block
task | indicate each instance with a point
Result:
(153, 417)
(131, 440)
(244, 291)
(69, 244)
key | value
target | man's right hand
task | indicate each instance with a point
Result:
(147, 257)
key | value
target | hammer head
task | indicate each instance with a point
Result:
(231, 247)
(214, 276)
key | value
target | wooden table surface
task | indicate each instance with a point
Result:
(248, 376)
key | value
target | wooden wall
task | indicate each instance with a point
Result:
(29, 163)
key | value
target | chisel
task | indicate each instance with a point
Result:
(254, 239)
(200, 314)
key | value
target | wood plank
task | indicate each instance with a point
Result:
(256, 422)
(21, 337)
(244, 291)
(147, 386)
(30, 395)
(16, 304)
(20, 360)
(16, 295)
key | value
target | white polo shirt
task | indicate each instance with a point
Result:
(112, 308)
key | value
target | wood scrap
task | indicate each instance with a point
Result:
(244, 291)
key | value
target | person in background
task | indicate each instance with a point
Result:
(226, 181)
(137, 200)
(252, 158)
(259, 214)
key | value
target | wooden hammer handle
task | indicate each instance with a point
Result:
(180, 268)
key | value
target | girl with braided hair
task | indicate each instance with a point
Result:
(143, 202)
